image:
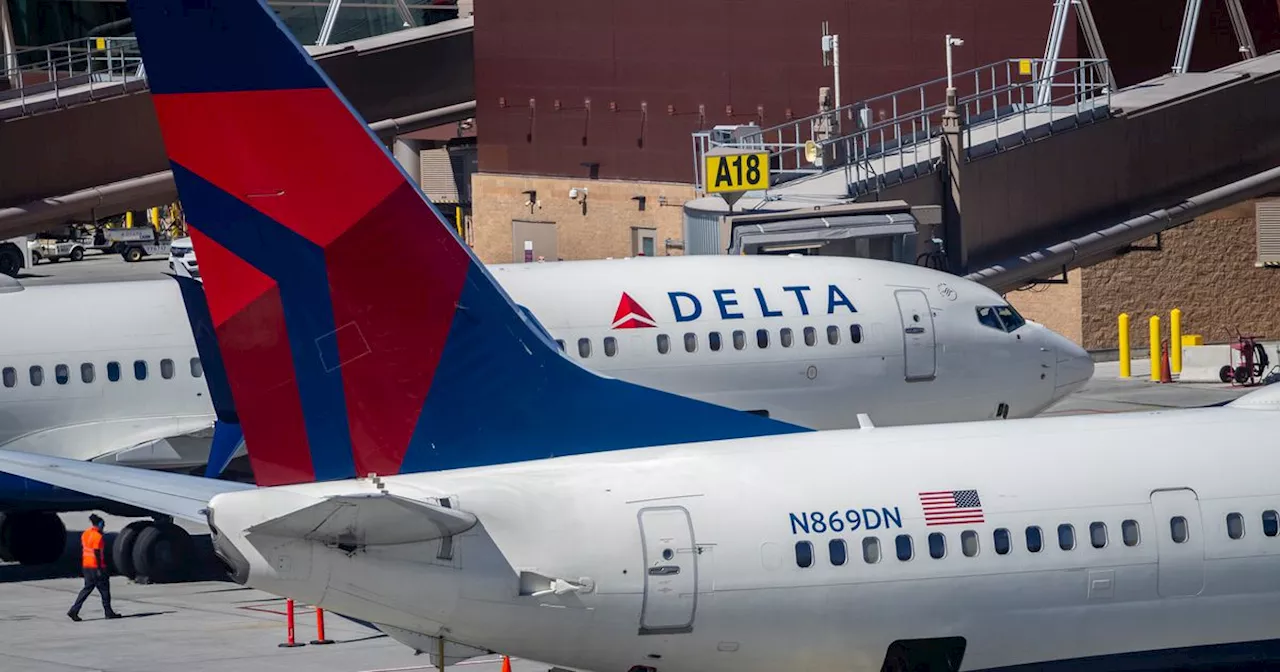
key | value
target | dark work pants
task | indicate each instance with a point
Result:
(94, 578)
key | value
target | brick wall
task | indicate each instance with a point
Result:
(604, 230)
(1057, 307)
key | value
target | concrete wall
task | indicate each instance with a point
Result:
(603, 231)
(1055, 306)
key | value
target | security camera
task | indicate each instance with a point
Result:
(573, 193)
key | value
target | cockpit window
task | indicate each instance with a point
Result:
(1004, 318)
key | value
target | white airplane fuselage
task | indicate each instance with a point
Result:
(685, 558)
(959, 369)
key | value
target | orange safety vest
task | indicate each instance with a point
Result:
(90, 546)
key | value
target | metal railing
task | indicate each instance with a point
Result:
(43, 77)
(903, 128)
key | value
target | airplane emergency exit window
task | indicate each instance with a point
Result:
(166, 368)
(1235, 525)
(1000, 538)
(37, 375)
(833, 335)
(1178, 529)
(838, 551)
(10, 376)
(1130, 533)
(739, 340)
(785, 337)
(86, 373)
(969, 543)
(855, 333)
(690, 342)
(113, 371)
(584, 347)
(62, 374)
(1035, 539)
(937, 546)
(714, 340)
(871, 550)
(664, 344)
(1098, 534)
(905, 549)
(140, 370)
(762, 338)
(610, 346)
(810, 336)
(1066, 536)
(804, 554)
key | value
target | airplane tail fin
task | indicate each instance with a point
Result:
(359, 334)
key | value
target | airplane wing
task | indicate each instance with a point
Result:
(176, 495)
(368, 519)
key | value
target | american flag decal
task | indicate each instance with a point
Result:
(951, 507)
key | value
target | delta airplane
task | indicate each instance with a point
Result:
(431, 462)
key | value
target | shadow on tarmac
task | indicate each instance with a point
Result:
(203, 567)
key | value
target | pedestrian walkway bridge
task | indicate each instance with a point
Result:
(78, 127)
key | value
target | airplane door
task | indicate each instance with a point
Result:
(919, 345)
(1179, 542)
(671, 571)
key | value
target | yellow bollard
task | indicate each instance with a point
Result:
(1154, 342)
(128, 220)
(1124, 345)
(153, 216)
(1175, 340)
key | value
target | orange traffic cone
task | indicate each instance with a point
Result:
(1165, 375)
(506, 664)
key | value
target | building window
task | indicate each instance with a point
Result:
(664, 344)
(833, 335)
(810, 336)
(739, 340)
(1129, 532)
(969, 543)
(113, 371)
(690, 342)
(1035, 540)
(714, 341)
(584, 347)
(855, 333)
(1235, 525)
(166, 369)
(36, 374)
(1000, 539)
(643, 242)
(871, 550)
(784, 337)
(905, 548)
(937, 545)
(838, 551)
(1178, 529)
(62, 374)
(762, 338)
(610, 346)
(86, 373)
(140, 370)
(804, 554)
(1066, 536)
(10, 376)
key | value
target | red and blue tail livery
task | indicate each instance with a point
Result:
(358, 333)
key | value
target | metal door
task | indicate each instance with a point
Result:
(919, 345)
(671, 571)
(1179, 542)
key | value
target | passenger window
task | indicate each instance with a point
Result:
(804, 554)
(1269, 523)
(86, 373)
(713, 339)
(1066, 536)
(838, 551)
(10, 376)
(691, 342)
(584, 347)
(664, 344)
(969, 543)
(140, 370)
(833, 335)
(784, 337)
(166, 368)
(905, 549)
(987, 318)
(1235, 525)
(1098, 534)
(762, 338)
(37, 375)
(937, 545)
(62, 374)
(739, 340)
(1178, 529)
(1001, 541)
(1035, 540)
(855, 333)
(113, 371)
(871, 550)
(1129, 531)
(197, 368)
(810, 336)
(610, 346)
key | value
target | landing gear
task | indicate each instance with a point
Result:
(153, 552)
(31, 538)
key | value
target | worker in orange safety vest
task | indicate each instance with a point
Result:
(93, 562)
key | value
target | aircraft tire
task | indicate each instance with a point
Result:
(122, 549)
(162, 553)
(35, 538)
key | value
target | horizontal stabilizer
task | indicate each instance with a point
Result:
(369, 519)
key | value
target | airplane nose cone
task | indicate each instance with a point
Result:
(1075, 366)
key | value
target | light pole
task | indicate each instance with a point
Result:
(951, 42)
(953, 152)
